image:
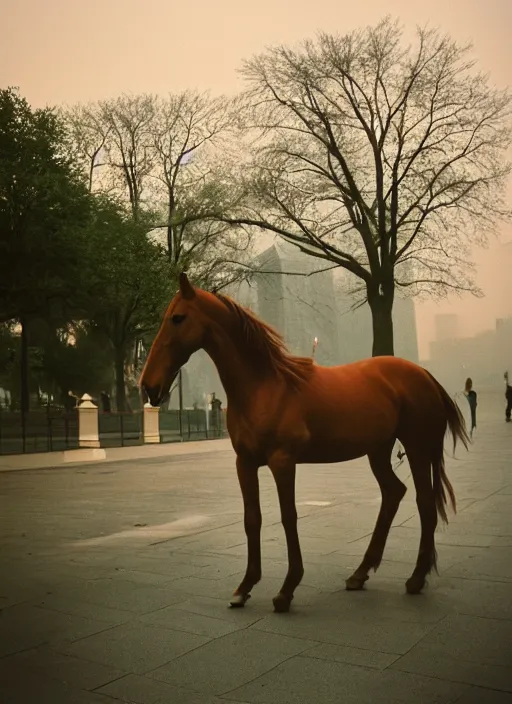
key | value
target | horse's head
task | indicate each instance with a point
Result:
(181, 333)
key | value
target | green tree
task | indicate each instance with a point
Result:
(44, 205)
(383, 160)
(131, 283)
(74, 358)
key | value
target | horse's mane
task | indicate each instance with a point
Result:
(265, 346)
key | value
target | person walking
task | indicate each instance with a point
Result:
(470, 394)
(105, 402)
(508, 396)
(216, 413)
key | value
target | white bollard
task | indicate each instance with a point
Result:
(88, 429)
(151, 423)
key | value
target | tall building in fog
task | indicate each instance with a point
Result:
(355, 328)
(502, 276)
(298, 302)
(446, 326)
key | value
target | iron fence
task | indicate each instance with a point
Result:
(118, 429)
(51, 428)
(191, 425)
(41, 430)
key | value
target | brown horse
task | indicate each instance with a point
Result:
(285, 410)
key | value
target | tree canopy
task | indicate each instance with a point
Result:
(172, 155)
(44, 206)
(75, 266)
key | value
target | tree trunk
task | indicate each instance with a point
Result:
(381, 307)
(24, 371)
(119, 358)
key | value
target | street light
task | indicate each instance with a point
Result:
(180, 402)
(315, 343)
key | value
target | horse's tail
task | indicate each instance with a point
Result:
(457, 426)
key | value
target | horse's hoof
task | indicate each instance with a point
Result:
(281, 603)
(239, 600)
(414, 585)
(355, 583)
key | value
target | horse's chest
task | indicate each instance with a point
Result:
(260, 439)
(249, 438)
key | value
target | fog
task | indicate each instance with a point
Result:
(62, 52)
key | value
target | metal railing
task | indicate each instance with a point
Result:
(51, 428)
(191, 425)
(44, 429)
(118, 429)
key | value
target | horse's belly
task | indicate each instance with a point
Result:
(348, 434)
(331, 452)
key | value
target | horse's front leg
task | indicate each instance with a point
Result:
(283, 469)
(248, 478)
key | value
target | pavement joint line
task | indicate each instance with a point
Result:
(455, 681)
(105, 684)
(290, 657)
(433, 627)
(202, 532)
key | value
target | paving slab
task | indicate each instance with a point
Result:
(478, 695)
(23, 627)
(136, 647)
(179, 620)
(230, 661)
(303, 680)
(464, 649)
(43, 662)
(329, 626)
(24, 687)
(137, 689)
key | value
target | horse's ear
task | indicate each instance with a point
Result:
(186, 288)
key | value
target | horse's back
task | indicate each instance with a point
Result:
(366, 402)
(376, 376)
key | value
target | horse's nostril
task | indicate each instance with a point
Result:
(151, 395)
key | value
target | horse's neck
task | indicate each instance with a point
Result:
(236, 377)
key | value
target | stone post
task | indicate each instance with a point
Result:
(151, 423)
(88, 429)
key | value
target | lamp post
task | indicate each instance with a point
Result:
(180, 402)
(185, 158)
(315, 343)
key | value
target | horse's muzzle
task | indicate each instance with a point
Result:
(155, 396)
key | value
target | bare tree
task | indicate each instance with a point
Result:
(171, 155)
(114, 141)
(89, 134)
(130, 122)
(386, 161)
(188, 128)
(193, 153)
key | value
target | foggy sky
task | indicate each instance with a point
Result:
(68, 51)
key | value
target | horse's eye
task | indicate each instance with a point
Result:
(177, 319)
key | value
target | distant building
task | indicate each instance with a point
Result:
(502, 277)
(483, 357)
(355, 328)
(446, 326)
(299, 303)
(503, 356)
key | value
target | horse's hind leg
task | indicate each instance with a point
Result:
(392, 491)
(425, 500)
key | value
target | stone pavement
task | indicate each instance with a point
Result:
(115, 579)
